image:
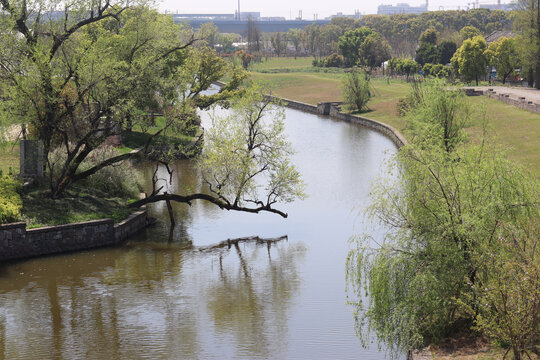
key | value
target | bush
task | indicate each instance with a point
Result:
(119, 180)
(436, 70)
(356, 90)
(334, 60)
(401, 66)
(10, 200)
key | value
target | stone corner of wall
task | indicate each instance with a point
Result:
(15, 225)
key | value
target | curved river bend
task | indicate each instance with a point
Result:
(156, 299)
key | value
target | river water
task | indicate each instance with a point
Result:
(161, 298)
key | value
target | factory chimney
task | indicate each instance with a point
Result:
(239, 17)
(427, 4)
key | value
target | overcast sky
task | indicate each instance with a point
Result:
(289, 8)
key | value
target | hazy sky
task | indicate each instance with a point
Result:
(287, 8)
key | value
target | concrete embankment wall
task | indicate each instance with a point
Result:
(332, 110)
(16, 242)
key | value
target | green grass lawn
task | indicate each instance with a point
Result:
(9, 158)
(274, 63)
(77, 205)
(518, 131)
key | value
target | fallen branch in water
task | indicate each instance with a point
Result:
(232, 242)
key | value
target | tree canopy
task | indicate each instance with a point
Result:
(470, 59)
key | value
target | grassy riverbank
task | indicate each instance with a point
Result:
(77, 205)
(516, 130)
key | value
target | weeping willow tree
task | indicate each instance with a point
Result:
(447, 218)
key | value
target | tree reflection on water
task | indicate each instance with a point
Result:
(163, 302)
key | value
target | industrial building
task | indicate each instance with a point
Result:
(401, 8)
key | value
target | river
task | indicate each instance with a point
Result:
(157, 298)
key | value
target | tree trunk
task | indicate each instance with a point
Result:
(530, 78)
(537, 76)
(476, 77)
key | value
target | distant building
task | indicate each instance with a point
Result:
(401, 8)
(499, 6)
(253, 15)
(496, 35)
(357, 15)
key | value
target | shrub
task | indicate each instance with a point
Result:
(436, 70)
(356, 90)
(334, 60)
(119, 180)
(10, 200)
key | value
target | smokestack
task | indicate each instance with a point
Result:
(499, 4)
(427, 4)
(239, 17)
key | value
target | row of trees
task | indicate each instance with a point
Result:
(401, 31)
(471, 60)
(432, 38)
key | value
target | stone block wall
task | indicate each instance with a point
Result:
(520, 102)
(16, 242)
(133, 224)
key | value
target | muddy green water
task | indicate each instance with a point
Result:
(152, 298)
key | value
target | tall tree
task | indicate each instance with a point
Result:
(374, 50)
(85, 76)
(527, 23)
(503, 55)
(295, 37)
(279, 43)
(246, 160)
(254, 36)
(447, 49)
(470, 59)
(350, 43)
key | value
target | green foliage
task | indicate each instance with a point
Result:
(120, 180)
(448, 219)
(427, 53)
(356, 90)
(503, 55)
(508, 297)
(296, 37)
(374, 50)
(469, 32)
(279, 43)
(527, 24)
(436, 70)
(350, 43)
(401, 66)
(334, 60)
(447, 49)
(10, 200)
(246, 157)
(470, 59)
(429, 36)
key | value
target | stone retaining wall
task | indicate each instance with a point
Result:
(332, 109)
(521, 102)
(16, 242)
(130, 226)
